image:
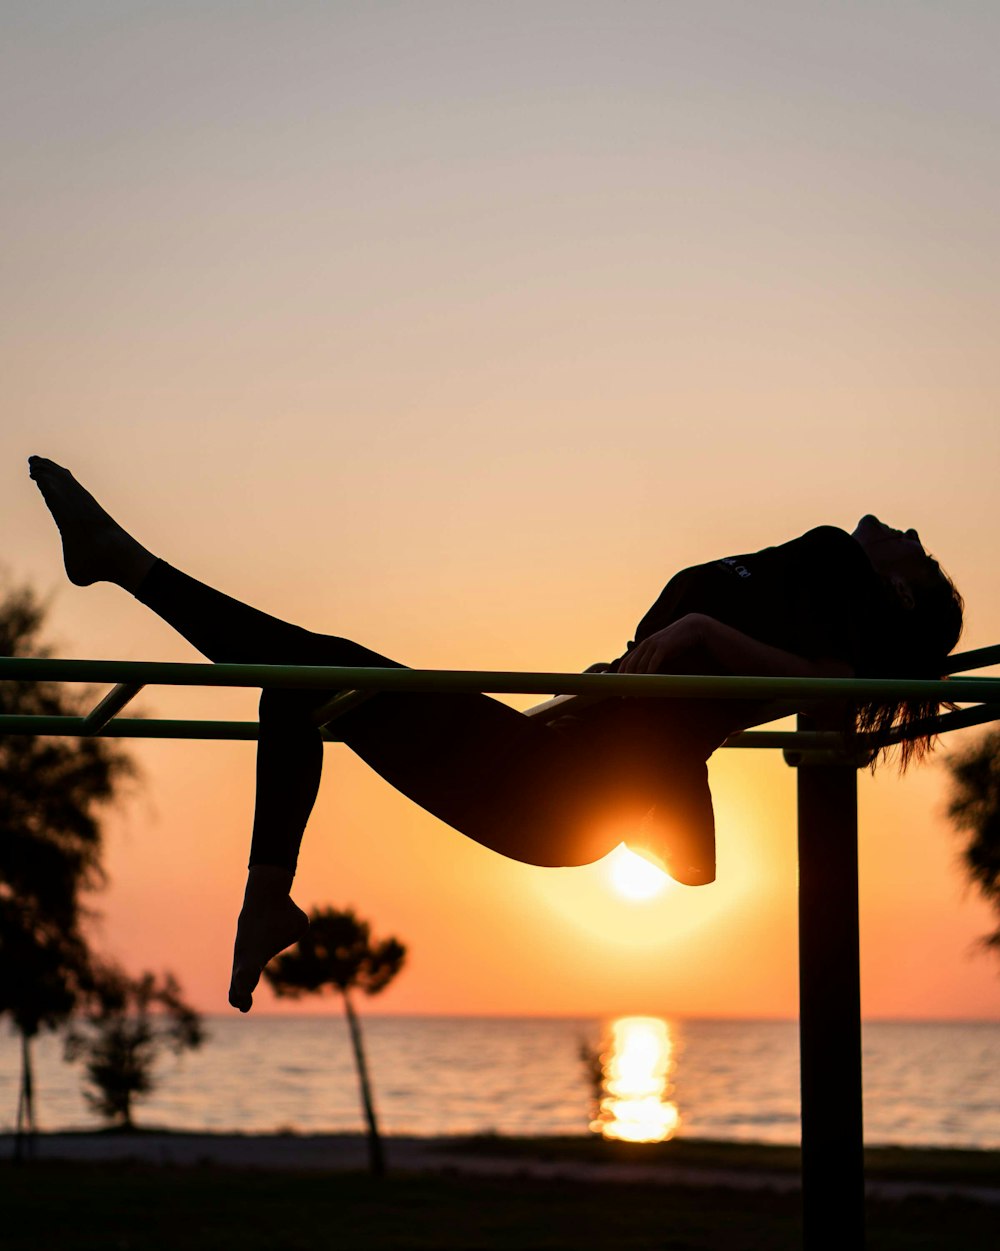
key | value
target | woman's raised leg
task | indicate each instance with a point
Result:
(97, 549)
(472, 761)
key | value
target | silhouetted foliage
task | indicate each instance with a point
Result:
(120, 1035)
(592, 1059)
(339, 954)
(43, 972)
(975, 807)
(52, 792)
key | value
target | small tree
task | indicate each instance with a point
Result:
(592, 1059)
(975, 807)
(128, 1022)
(43, 972)
(339, 954)
(52, 794)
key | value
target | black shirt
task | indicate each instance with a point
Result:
(818, 597)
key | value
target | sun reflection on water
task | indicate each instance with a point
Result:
(637, 1070)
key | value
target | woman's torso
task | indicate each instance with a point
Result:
(816, 596)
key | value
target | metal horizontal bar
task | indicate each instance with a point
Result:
(831, 740)
(110, 706)
(960, 720)
(150, 727)
(979, 658)
(129, 727)
(668, 686)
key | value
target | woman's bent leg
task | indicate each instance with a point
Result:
(473, 762)
(470, 760)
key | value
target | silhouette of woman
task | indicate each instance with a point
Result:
(828, 604)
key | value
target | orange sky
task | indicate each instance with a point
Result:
(456, 329)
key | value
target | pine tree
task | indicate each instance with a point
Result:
(975, 807)
(339, 954)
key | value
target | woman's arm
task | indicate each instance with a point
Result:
(672, 650)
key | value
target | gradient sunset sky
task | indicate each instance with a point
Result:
(457, 328)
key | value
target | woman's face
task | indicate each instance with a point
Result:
(895, 553)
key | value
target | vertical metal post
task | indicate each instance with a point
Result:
(830, 1005)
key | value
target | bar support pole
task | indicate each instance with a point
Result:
(833, 1213)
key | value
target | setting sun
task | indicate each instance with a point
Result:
(633, 877)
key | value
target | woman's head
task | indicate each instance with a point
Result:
(923, 623)
(932, 614)
(925, 608)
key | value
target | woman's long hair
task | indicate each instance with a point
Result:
(920, 636)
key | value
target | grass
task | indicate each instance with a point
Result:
(930, 1164)
(136, 1207)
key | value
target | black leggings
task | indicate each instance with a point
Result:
(536, 793)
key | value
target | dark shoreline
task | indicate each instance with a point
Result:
(494, 1152)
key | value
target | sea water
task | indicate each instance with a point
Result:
(926, 1083)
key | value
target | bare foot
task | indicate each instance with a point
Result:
(95, 547)
(269, 922)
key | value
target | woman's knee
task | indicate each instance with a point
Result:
(288, 707)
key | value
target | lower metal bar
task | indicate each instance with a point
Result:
(152, 727)
(129, 727)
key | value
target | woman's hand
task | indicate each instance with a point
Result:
(665, 651)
